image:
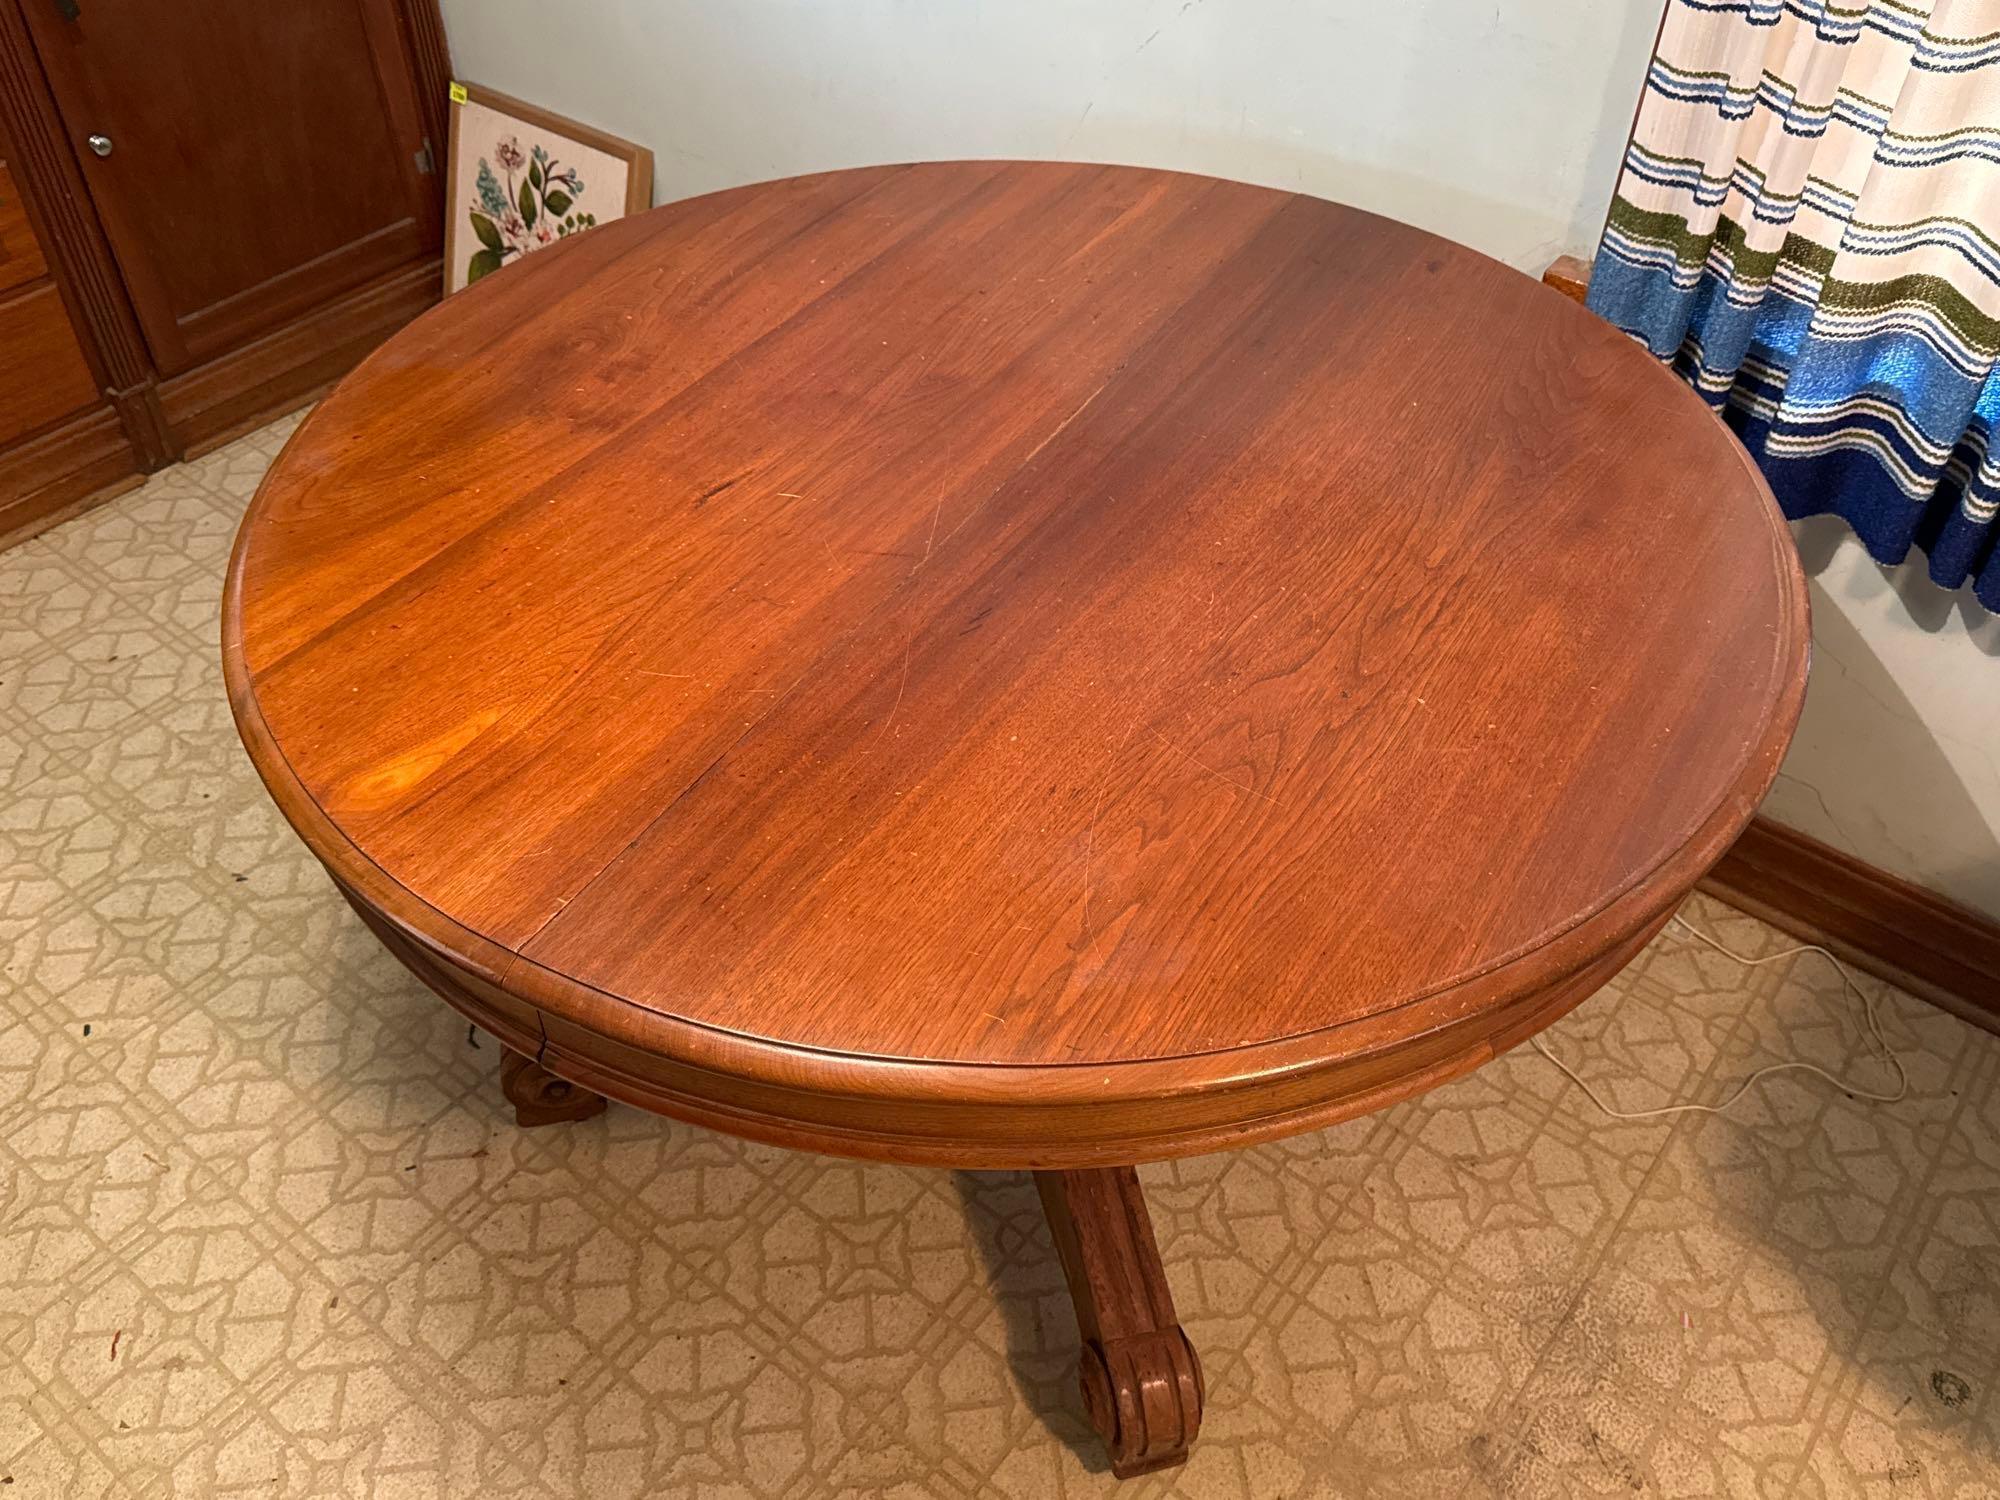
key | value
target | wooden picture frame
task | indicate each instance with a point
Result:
(518, 178)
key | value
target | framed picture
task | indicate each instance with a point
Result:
(519, 179)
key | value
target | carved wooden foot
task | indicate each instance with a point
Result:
(541, 1098)
(1141, 1380)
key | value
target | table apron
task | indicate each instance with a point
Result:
(931, 1126)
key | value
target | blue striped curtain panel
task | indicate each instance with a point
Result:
(1807, 227)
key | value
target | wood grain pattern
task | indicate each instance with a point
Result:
(1037, 1118)
(1014, 663)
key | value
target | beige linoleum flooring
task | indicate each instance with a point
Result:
(266, 1227)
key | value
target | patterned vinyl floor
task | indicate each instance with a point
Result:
(266, 1228)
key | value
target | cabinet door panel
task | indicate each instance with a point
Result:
(20, 254)
(263, 155)
(44, 375)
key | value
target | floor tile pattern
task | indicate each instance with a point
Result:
(266, 1227)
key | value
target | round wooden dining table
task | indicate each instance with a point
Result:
(1014, 665)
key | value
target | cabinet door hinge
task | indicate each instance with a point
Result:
(425, 164)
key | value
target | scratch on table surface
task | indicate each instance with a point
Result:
(902, 683)
(931, 540)
(1032, 454)
(1241, 786)
(1090, 858)
(717, 488)
(1063, 426)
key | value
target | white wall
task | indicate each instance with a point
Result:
(1496, 122)
(1492, 121)
(1897, 757)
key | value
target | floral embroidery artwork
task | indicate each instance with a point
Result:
(536, 205)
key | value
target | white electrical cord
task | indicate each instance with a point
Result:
(1874, 1026)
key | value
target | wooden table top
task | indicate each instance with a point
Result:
(998, 631)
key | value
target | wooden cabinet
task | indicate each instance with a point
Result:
(60, 440)
(21, 259)
(213, 211)
(278, 159)
(44, 375)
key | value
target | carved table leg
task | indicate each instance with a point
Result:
(541, 1098)
(1141, 1380)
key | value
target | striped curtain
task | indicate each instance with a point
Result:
(1807, 227)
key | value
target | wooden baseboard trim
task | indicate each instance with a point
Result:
(63, 473)
(91, 457)
(1916, 939)
(222, 437)
(259, 382)
(1569, 275)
